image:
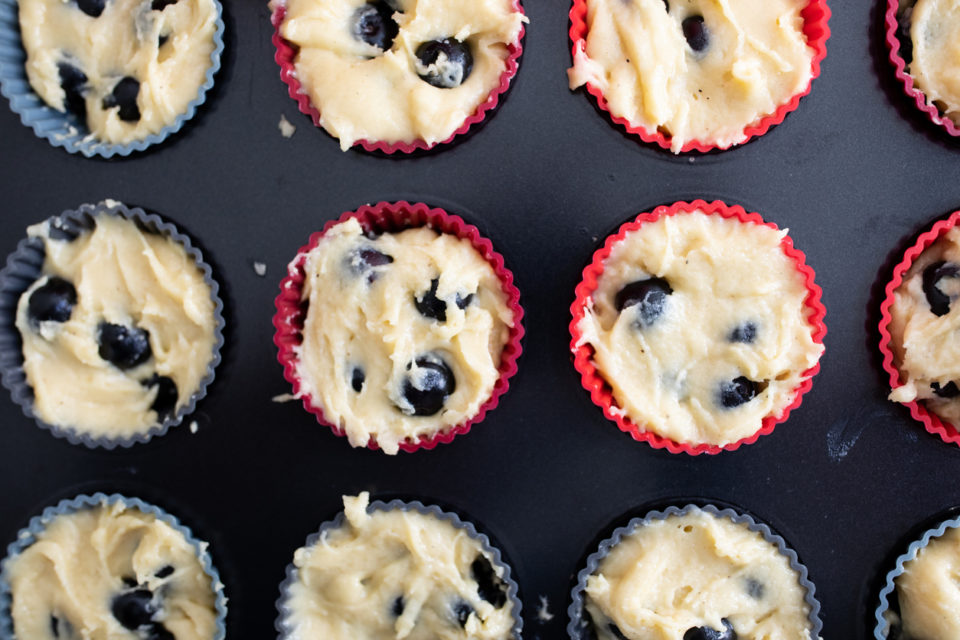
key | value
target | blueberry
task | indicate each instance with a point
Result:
(709, 633)
(948, 390)
(92, 8)
(615, 630)
(356, 379)
(427, 390)
(489, 585)
(124, 96)
(166, 401)
(745, 333)
(464, 301)
(736, 392)
(365, 262)
(52, 301)
(129, 581)
(444, 63)
(429, 305)
(932, 276)
(397, 607)
(125, 347)
(462, 611)
(695, 31)
(134, 609)
(74, 84)
(164, 572)
(162, 40)
(160, 5)
(755, 589)
(649, 295)
(373, 23)
(159, 632)
(666, 4)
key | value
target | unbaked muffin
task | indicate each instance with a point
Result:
(927, 591)
(929, 32)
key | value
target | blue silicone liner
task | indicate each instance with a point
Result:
(28, 535)
(882, 629)
(283, 625)
(578, 628)
(65, 130)
(25, 265)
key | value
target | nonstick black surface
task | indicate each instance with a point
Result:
(854, 173)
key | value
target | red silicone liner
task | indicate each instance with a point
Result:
(600, 391)
(390, 217)
(931, 421)
(287, 52)
(900, 71)
(815, 17)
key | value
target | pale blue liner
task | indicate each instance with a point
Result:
(881, 631)
(284, 627)
(65, 130)
(28, 535)
(578, 627)
(25, 265)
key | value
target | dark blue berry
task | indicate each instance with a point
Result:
(695, 31)
(427, 391)
(365, 262)
(650, 297)
(134, 609)
(129, 581)
(755, 589)
(373, 23)
(92, 8)
(165, 404)
(615, 630)
(357, 377)
(124, 95)
(429, 305)
(932, 276)
(745, 333)
(160, 5)
(948, 390)
(666, 4)
(736, 392)
(709, 633)
(125, 347)
(462, 611)
(164, 572)
(158, 632)
(464, 301)
(74, 83)
(453, 68)
(397, 607)
(52, 301)
(489, 585)
(162, 40)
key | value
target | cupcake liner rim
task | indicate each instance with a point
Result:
(28, 535)
(64, 130)
(601, 392)
(387, 216)
(575, 610)
(22, 268)
(816, 16)
(286, 52)
(281, 624)
(932, 422)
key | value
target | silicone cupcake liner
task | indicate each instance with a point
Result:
(579, 627)
(63, 129)
(25, 265)
(900, 71)
(931, 421)
(386, 217)
(600, 391)
(815, 16)
(283, 624)
(28, 535)
(287, 52)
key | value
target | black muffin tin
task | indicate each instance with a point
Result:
(854, 173)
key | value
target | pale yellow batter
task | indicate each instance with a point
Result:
(364, 336)
(928, 591)
(166, 50)
(130, 278)
(925, 345)
(697, 570)
(363, 92)
(84, 566)
(736, 312)
(397, 574)
(935, 34)
(755, 59)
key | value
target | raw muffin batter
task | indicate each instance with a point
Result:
(403, 332)
(923, 328)
(401, 70)
(127, 68)
(110, 572)
(397, 574)
(699, 325)
(118, 332)
(934, 33)
(694, 69)
(928, 591)
(684, 577)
